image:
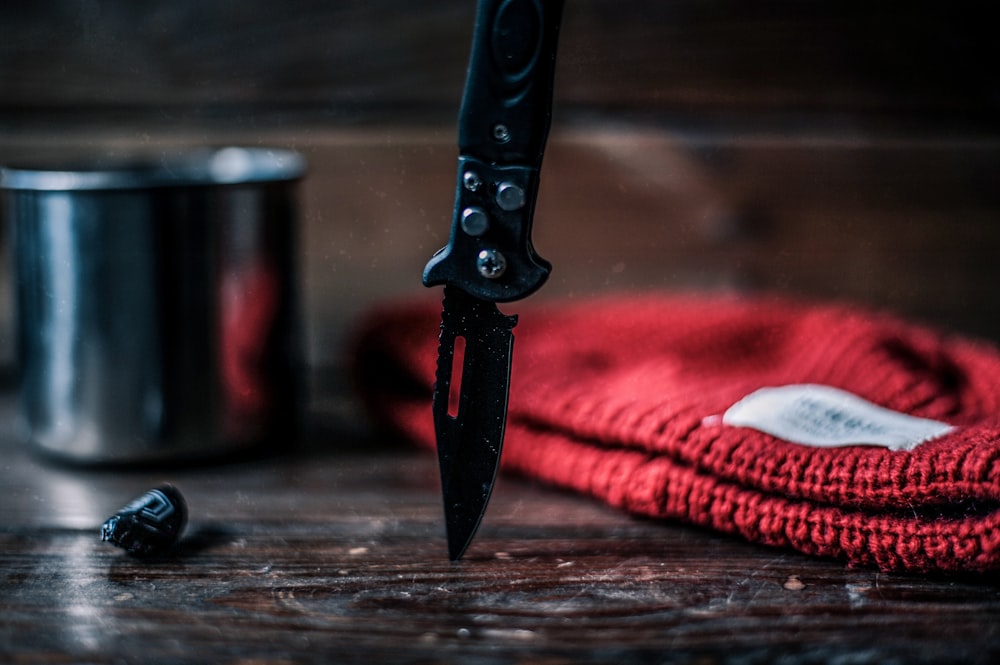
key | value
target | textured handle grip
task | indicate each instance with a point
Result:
(507, 105)
(505, 117)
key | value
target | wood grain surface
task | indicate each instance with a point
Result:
(832, 149)
(351, 60)
(336, 553)
(900, 220)
(829, 149)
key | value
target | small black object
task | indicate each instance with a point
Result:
(149, 525)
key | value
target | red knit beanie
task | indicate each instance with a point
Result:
(630, 399)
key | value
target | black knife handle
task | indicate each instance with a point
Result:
(502, 129)
(507, 105)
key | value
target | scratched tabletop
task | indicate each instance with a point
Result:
(333, 551)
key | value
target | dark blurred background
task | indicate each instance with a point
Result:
(827, 149)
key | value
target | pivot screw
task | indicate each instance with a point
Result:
(491, 263)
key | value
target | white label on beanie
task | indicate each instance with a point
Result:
(826, 417)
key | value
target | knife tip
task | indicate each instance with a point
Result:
(457, 549)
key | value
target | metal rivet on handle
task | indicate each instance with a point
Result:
(510, 196)
(501, 133)
(475, 221)
(472, 181)
(491, 263)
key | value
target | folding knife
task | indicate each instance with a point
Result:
(503, 125)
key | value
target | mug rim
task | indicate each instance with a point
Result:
(230, 165)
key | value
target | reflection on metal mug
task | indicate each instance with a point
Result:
(157, 305)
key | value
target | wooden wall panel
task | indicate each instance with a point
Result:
(355, 59)
(828, 149)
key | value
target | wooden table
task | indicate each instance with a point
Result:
(827, 149)
(335, 553)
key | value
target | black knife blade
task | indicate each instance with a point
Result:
(470, 432)
(503, 126)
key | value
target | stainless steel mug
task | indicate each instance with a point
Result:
(156, 304)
